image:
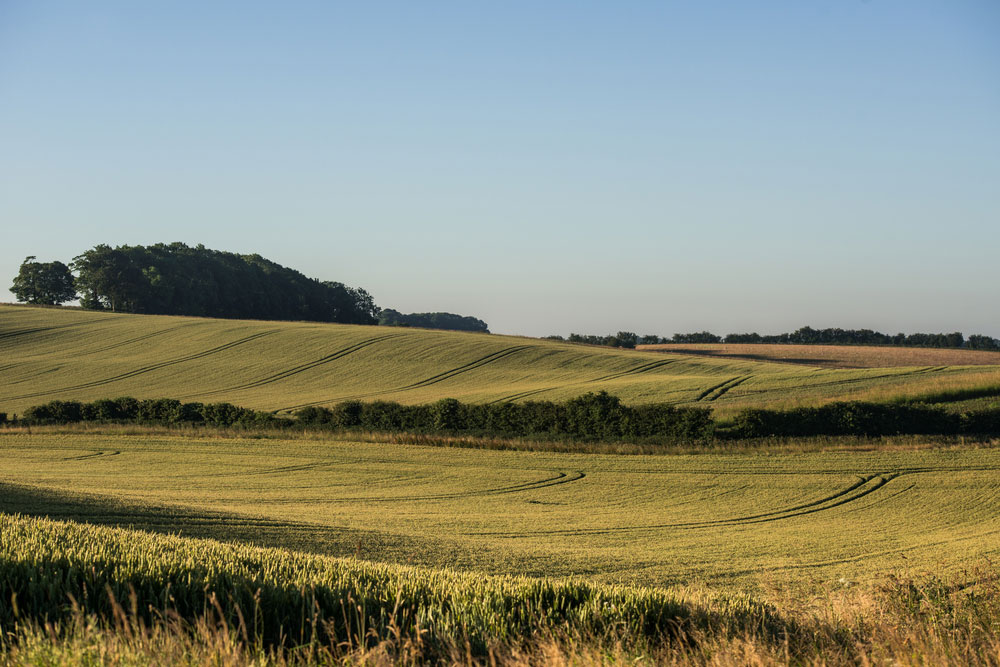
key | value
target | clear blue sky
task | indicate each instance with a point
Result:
(547, 166)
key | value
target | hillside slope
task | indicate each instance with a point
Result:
(50, 353)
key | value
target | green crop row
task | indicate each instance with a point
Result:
(51, 570)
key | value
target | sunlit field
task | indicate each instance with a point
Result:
(725, 519)
(71, 354)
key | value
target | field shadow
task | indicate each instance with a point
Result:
(230, 527)
(804, 361)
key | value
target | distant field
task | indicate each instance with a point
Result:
(833, 356)
(48, 353)
(727, 520)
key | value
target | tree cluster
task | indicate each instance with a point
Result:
(450, 321)
(175, 279)
(625, 339)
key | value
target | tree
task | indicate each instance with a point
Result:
(175, 279)
(43, 283)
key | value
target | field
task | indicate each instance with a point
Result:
(72, 354)
(833, 356)
(835, 551)
(726, 520)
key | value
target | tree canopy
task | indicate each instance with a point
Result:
(175, 279)
(43, 283)
(394, 318)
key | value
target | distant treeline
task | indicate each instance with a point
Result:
(803, 336)
(176, 279)
(592, 417)
(394, 318)
(625, 339)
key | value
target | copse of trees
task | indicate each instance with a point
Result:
(450, 321)
(175, 279)
(43, 283)
(625, 339)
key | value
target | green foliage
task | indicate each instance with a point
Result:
(625, 339)
(856, 418)
(149, 411)
(592, 416)
(282, 598)
(43, 283)
(176, 279)
(450, 321)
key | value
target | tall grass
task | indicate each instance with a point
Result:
(52, 572)
(57, 612)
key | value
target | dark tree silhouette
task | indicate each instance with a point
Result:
(43, 283)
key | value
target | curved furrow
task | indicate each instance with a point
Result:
(479, 363)
(713, 388)
(92, 455)
(14, 333)
(139, 339)
(638, 370)
(724, 389)
(426, 382)
(144, 369)
(644, 368)
(834, 500)
(845, 382)
(301, 368)
(560, 478)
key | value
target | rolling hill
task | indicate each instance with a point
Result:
(52, 353)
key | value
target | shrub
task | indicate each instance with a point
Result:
(447, 415)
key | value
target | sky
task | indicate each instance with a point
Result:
(549, 167)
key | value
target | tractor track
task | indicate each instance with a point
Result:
(863, 487)
(426, 382)
(639, 370)
(144, 369)
(556, 480)
(301, 368)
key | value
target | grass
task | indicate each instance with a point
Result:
(49, 354)
(731, 520)
(78, 594)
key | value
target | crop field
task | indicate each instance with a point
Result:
(48, 354)
(833, 356)
(725, 520)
